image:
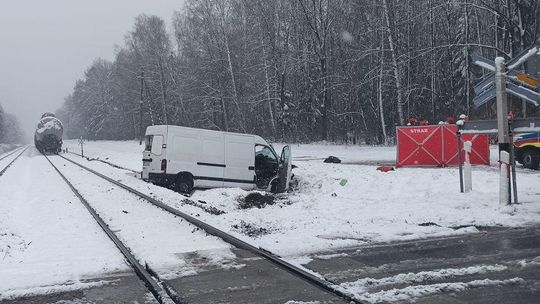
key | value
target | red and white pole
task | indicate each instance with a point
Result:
(504, 169)
(467, 170)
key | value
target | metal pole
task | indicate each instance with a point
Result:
(460, 162)
(513, 166)
(502, 106)
(504, 178)
(141, 108)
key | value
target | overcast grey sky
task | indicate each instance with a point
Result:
(46, 45)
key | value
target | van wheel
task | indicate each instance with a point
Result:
(530, 159)
(184, 184)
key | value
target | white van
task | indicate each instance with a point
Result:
(186, 158)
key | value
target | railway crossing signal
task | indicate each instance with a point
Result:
(518, 84)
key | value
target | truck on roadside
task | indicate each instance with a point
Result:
(527, 148)
(185, 158)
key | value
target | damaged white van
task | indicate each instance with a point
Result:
(187, 158)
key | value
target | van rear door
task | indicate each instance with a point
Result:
(152, 155)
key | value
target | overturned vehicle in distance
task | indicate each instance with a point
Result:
(187, 158)
(48, 135)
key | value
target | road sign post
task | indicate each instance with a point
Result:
(507, 79)
(460, 162)
(502, 105)
(513, 164)
(502, 117)
(504, 180)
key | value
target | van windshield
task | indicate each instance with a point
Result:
(148, 142)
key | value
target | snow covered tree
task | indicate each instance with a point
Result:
(10, 129)
(303, 70)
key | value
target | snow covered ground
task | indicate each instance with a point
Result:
(128, 153)
(47, 240)
(337, 205)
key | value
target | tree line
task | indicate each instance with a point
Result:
(10, 129)
(299, 70)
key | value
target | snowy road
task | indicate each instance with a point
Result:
(497, 266)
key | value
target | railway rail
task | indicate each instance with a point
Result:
(154, 285)
(13, 160)
(160, 288)
(10, 153)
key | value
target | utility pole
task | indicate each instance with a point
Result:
(141, 107)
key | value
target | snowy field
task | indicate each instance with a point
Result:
(339, 205)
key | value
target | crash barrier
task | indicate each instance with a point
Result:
(437, 146)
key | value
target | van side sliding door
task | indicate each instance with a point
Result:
(239, 161)
(211, 161)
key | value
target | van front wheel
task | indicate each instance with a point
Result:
(184, 184)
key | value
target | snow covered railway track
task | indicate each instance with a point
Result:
(158, 289)
(13, 160)
(107, 163)
(8, 153)
(305, 275)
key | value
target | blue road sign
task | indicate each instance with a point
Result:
(485, 89)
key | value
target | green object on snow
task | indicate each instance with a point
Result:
(343, 181)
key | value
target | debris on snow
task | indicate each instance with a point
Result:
(332, 160)
(256, 199)
(10, 242)
(249, 229)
